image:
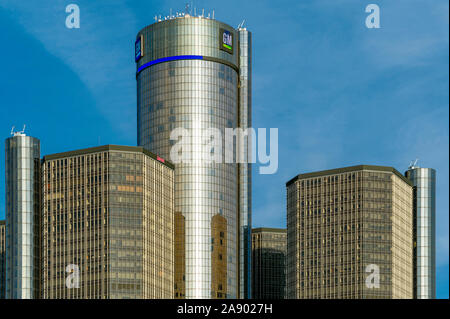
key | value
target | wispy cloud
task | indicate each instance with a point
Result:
(100, 52)
(412, 32)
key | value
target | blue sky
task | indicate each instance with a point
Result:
(340, 94)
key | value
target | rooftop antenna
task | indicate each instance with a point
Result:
(241, 24)
(213, 14)
(203, 12)
(156, 19)
(171, 13)
(21, 133)
(413, 164)
(186, 10)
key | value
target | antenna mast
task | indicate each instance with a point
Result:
(413, 164)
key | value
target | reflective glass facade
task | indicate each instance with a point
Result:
(269, 263)
(342, 221)
(22, 213)
(245, 169)
(424, 181)
(211, 90)
(108, 213)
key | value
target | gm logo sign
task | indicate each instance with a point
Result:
(226, 41)
(139, 48)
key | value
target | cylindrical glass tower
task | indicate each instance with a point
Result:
(245, 169)
(424, 181)
(22, 216)
(189, 76)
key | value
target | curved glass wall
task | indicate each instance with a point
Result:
(196, 94)
(22, 211)
(186, 36)
(245, 169)
(424, 181)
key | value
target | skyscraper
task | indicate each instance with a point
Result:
(350, 234)
(2, 259)
(269, 263)
(424, 181)
(108, 224)
(194, 73)
(22, 216)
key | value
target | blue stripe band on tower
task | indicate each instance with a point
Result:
(167, 59)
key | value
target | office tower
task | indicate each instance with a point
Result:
(107, 224)
(22, 216)
(245, 169)
(424, 205)
(269, 263)
(195, 73)
(2, 259)
(350, 234)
